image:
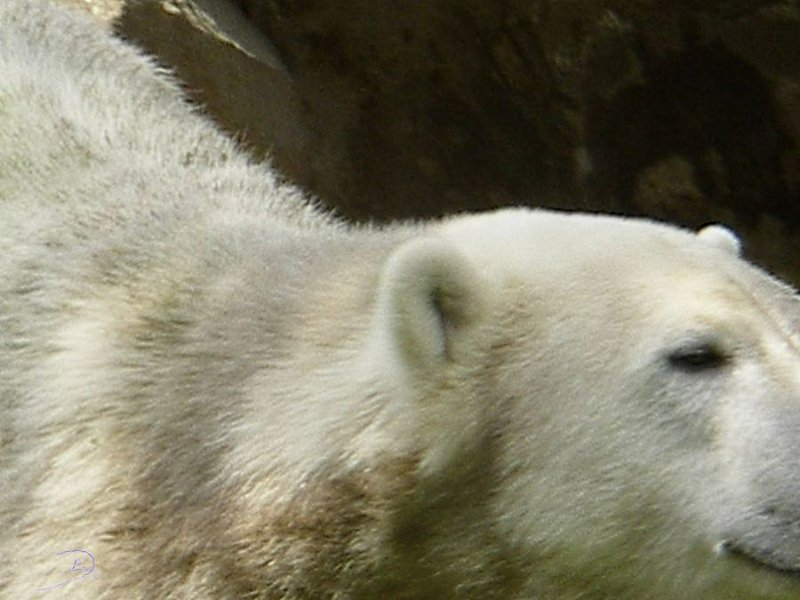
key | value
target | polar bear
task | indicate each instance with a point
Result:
(210, 388)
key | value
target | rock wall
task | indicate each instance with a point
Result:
(677, 110)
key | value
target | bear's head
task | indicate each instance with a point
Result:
(631, 392)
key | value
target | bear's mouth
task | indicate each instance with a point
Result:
(763, 556)
(768, 538)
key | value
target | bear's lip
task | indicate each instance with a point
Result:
(769, 538)
(763, 556)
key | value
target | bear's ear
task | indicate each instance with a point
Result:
(429, 295)
(721, 237)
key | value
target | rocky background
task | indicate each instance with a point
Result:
(682, 111)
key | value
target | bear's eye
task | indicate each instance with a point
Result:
(698, 356)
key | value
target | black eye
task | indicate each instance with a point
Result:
(699, 356)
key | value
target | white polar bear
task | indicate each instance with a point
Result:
(210, 389)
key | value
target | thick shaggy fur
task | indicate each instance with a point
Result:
(211, 389)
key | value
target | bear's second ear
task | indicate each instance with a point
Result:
(721, 237)
(429, 295)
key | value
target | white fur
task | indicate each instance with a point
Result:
(721, 237)
(218, 391)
